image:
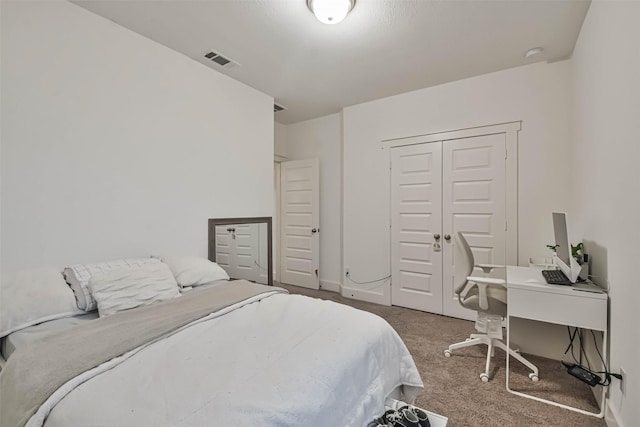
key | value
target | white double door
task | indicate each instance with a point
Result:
(437, 189)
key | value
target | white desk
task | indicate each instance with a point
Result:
(530, 297)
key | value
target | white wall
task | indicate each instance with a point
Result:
(116, 146)
(537, 94)
(322, 138)
(280, 140)
(606, 108)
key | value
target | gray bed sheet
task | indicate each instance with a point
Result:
(36, 332)
(12, 341)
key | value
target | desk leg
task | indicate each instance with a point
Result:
(507, 353)
(603, 403)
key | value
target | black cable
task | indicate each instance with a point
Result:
(570, 339)
(595, 343)
(582, 351)
(570, 346)
(607, 375)
(606, 372)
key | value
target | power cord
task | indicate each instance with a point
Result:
(348, 276)
(607, 375)
(606, 372)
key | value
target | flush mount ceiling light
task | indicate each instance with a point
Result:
(330, 11)
(533, 52)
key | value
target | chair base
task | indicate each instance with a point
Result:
(492, 343)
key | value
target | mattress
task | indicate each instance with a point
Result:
(34, 333)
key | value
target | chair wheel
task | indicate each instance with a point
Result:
(484, 377)
(534, 377)
(447, 353)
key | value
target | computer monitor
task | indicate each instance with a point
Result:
(563, 259)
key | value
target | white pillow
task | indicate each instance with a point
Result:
(194, 271)
(78, 276)
(34, 296)
(132, 287)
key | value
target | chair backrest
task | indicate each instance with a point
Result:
(480, 294)
(463, 262)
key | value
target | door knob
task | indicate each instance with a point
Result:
(436, 236)
(313, 230)
(447, 237)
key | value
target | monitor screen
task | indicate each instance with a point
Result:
(563, 250)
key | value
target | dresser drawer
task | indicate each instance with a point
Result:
(572, 308)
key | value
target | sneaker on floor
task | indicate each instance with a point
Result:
(400, 418)
(421, 415)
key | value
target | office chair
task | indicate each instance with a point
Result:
(484, 295)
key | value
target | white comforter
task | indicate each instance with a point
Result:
(287, 360)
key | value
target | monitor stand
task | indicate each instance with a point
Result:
(572, 271)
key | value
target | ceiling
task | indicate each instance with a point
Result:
(382, 48)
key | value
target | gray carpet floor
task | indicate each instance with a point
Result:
(452, 385)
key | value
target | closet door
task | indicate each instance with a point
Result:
(416, 218)
(473, 202)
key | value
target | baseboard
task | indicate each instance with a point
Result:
(367, 296)
(612, 418)
(328, 285)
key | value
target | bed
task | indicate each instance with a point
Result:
(227, 352)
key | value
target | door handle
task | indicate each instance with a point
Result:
(314, 230)
(447, 237)
(436, 237)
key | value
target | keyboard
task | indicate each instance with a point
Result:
(556, 277)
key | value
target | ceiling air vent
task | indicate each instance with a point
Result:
(277, 108)
(220, 60)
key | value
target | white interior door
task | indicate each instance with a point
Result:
(473, 202)
(299, 223)
(416, 217)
